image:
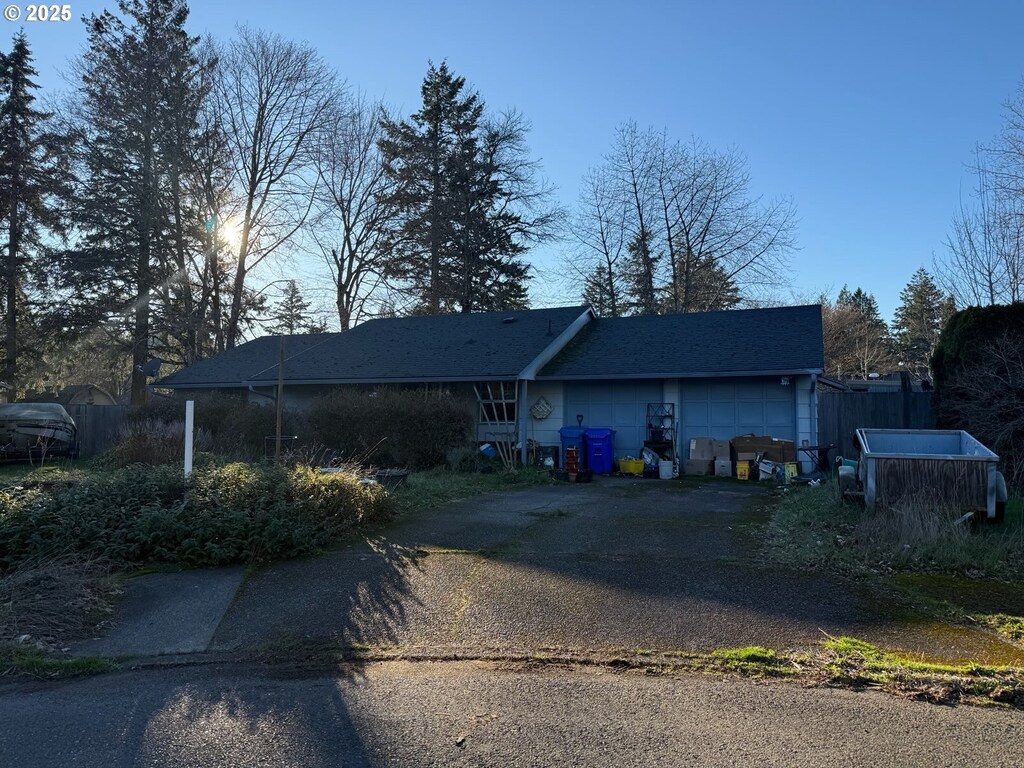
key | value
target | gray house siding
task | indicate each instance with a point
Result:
(618, 404)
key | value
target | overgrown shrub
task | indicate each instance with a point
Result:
(979, 381)
(408, 428)
(235, 428)
(154, 442)
(223, 514)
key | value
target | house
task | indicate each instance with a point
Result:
(527, 373)
(74, 394)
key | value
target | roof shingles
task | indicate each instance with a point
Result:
(784, 339)
(434, 348)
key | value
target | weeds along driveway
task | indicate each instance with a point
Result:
(617, 564)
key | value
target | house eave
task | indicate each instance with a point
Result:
(678, 375)
(337, 381)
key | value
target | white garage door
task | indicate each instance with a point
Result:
(724, 408)
(620, 405)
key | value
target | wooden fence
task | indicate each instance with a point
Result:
(840, 413)
(98, 426)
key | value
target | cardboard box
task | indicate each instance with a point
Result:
(723, 468)
(700, 467)
(721, 449)
(743, 470)
(743, 456)
(751, 443)
(780, 451)
(702, 448)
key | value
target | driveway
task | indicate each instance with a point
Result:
(614, 565)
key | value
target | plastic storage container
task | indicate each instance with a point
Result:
(665, 470)
(600, 450)
(573, 437)
(631, 466)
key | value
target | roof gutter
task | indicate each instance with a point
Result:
(530, 372)
(677, 375)
(293, 382)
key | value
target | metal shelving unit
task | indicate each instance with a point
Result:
(661, 429)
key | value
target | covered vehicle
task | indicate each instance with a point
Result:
(30, 430)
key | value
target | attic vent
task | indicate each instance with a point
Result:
(508, 320)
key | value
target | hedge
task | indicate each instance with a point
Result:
(398, 427)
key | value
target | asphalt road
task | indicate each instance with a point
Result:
(471, 714)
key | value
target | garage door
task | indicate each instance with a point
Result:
(621, 405)
(724, 408)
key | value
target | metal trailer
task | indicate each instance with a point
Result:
(941, 467)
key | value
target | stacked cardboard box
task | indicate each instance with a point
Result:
(723, 457)
(762, 451)
(701, 460)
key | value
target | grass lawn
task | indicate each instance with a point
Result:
(424, 490)
(15, 472)
(971, 574)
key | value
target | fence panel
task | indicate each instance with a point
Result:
(98, 426)
(840, 413)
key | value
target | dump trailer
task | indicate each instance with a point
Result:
(940, 467)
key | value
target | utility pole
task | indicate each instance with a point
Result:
(279, 402)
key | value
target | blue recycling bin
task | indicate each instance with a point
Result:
(574, 437)
(600, 450)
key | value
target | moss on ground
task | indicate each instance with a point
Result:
(35, 663)
(422, 491)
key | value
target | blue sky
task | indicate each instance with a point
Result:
(865, 113)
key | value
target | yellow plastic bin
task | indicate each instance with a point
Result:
(631, 466)
(792, 470)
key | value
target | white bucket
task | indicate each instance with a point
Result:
(664, 470)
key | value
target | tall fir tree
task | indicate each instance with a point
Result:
(600, 292)
(459, 236)
(136, 139)
(292, 314)
(34, 184)
(919, 320)
(867, 342)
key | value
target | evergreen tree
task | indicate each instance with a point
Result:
(919, 320)
(465, 195)
(34, 182)
(640, 270)
(866, 345)
(292, 315)
(704, 286)
(137, 133)
(600, 291)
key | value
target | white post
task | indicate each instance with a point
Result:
(190, 406)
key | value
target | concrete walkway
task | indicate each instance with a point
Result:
(165, 613)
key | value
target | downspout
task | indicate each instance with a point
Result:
(814, 409)
(523, 414)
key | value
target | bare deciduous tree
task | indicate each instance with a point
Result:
(599, 229)
(695, 238)
(274, 96)
(353, 193)
(984, 261)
